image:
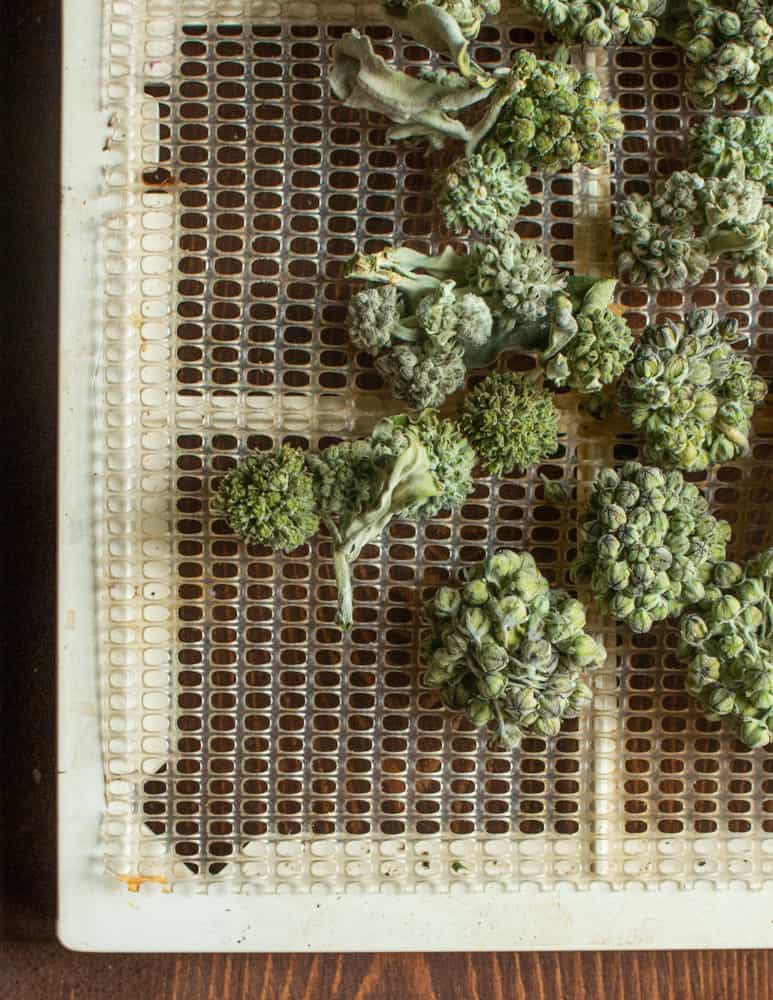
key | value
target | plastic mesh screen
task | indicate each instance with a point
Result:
(248, 741)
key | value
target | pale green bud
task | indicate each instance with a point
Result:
(492, 685)
(726, 608)
(511, 610)
(609, 547)
(726, 574)
(503, 565)
(524, 700)
(693, 590)
(720, 700)
(478, 712)
(456, 696)
(754, 733)
(622, 606)
(705, 406)
(751, 591)
(612, 517)
(446, 602)
(699, 372)
(627, 496)
(752, 617)
(676, 369)
(573, 613)
(580, 697)
(436, 677)
(475, 593)
(476, 623)
(666, 336)
(707, 666)
(586, 651)
(548, 726)
(618, 575)
(647, 366)
(491, 656)
(640, 621)
(537, 652)
(455, 641)
(530, 584)
(730, 646)
(693, 629)
(762, 700)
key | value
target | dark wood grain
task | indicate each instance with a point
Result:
(47, 971)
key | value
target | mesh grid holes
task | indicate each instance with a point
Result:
(274, 186)
(682, 774)
(333, 741)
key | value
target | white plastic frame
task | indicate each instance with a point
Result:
(99, 913)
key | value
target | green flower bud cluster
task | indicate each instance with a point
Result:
(727, 643)
(721, 146)
(505, 647)
(483, 191)
(556, 490)
(755, 263)
(690, 394)
(599, 22)
(691, 222)
(589, 346)
(419, 356)
(431, 318)
(468, 14)
(510, 422)
(647, 544)
(514, 276)
(421, 376)
(556, 116)
(728, 50)
(269, 499)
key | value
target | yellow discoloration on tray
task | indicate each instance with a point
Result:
(133, 882)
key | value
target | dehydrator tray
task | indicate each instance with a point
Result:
(236, 774)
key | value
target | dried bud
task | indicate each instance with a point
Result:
(516, 658)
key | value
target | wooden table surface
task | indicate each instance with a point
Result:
(47, 972)
(33, 966)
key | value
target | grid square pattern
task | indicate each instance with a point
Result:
(249, 741)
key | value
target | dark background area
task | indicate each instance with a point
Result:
(32, 964)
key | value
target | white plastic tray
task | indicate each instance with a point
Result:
(127, 911)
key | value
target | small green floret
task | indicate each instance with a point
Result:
(728, 50)
(727, 643)
(556, 116)
(510, 422)
(483, 192)
(506, 648)
(721, 146)
(690, 394)
(647, 544)
(690, 223)
(599, 22)
(589, 345)
(432, 318)
(514, 276)
(420, 355)
(269, 499)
